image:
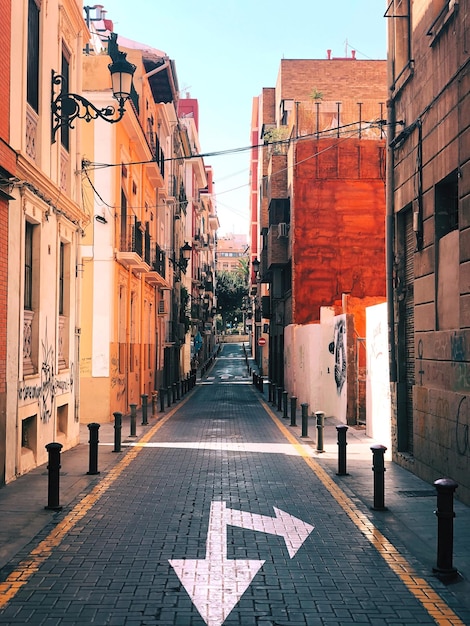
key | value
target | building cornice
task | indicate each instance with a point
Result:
(45, 189)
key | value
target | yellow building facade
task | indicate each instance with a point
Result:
(46, 222)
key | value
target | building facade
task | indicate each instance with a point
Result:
(428, 243)
(321, 210)
(232, 251)
(97, 224)
(46, 223)
(7, 173)
(141, 253)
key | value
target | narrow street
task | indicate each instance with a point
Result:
(219, 515)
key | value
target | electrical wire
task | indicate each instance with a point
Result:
(376, 123)
(87, 165)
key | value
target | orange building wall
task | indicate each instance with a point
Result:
(339, 224)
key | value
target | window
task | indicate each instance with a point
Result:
(399, 36)
(28, 267)
(32, 87)
(64, 304)
(446, 206)
(30, 298)
(28, 433)
(61, 279)
(123, 221)
(62, 421)
(447, 253)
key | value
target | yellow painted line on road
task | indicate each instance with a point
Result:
(440, 612)
(29, 566)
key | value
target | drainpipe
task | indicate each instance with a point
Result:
(128, 336)
(142, 338)
(390, 237)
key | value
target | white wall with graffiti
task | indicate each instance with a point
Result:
(378, 406)
(315, 364)
(316, 369)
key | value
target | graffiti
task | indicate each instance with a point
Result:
(376, 348)
(462, 377)
(340, 355)
(462, 429)
(457, 347)
(47, 381)
(49, 386)
(441, 346)
(117, 380)
(35, 392)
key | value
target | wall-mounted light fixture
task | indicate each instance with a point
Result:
(255, 264)
(67, 107)
(185, 255)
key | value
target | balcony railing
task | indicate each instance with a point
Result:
(158, 262)
(158, 154)
(156, 275)
(134, 247)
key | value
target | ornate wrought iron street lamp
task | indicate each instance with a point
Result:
(67, 107)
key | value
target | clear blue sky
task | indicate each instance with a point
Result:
(225, 53)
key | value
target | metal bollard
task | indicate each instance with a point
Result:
(378, 467)
(320, 425)
(53, 450)
(444, 569)
(279, 398)
(117, 431)
(174, 392)
(268, 382)
(145, 399)
(161, 395)
(342, 430)
(93, 451)
(154, 402)
(304, 407)
(254, 378)
(284, 404)
(178, 390)
(273, 399)
(133, 420)
(293, 411)
(260, 384)
(168, 395)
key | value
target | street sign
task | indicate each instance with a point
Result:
(216, 584)
(261, 341)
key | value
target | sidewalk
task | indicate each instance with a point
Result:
(409, 521)
(22, 501)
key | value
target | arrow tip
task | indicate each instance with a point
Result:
(296, 530)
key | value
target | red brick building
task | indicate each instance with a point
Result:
(429, 238)
(7, 170)
(321, 199)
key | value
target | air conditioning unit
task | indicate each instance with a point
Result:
(283, 229)
(161, 307)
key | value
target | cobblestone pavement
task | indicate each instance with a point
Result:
(219, 513)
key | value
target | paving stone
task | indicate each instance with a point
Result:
(222, 444)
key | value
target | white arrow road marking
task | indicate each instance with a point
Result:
(293, 529)
(216, 584)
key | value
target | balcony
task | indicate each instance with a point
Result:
(277, 247)
(134, 248)
(156, 275)
(157, 152)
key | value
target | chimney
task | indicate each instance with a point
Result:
(328, 55)
(353, 54)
